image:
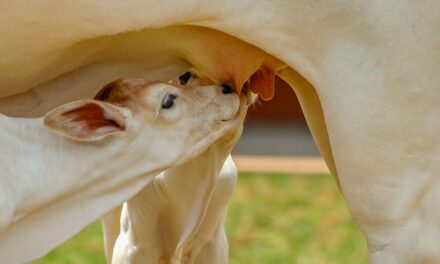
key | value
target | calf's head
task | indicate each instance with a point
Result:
(186, 115)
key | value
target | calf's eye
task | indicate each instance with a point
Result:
(168, 101)
(184, 78)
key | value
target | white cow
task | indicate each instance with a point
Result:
(105, 153)
(179, 216)
(366, 74)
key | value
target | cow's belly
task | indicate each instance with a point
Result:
(79, 70)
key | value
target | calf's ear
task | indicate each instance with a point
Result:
(85, 120)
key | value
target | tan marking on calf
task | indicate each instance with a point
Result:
(121, 92)
(126, 93)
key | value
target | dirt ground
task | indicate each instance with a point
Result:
(280, 164)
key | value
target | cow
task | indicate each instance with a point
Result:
(365, 72)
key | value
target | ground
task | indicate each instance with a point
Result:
(273, 218)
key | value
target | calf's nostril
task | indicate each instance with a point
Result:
(226, 89)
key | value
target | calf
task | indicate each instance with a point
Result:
(179, 216)
(100, 155)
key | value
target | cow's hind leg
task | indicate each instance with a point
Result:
(385, 144)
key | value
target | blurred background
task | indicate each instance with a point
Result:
(276, 127)
(286, 208)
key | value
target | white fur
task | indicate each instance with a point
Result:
(179, 216)
(52, 187)
(366, 73)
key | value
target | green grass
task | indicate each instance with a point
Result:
(274, 218)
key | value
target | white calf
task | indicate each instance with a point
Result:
(53, 185)
(178, 217)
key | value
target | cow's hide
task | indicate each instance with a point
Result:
(366, 73)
